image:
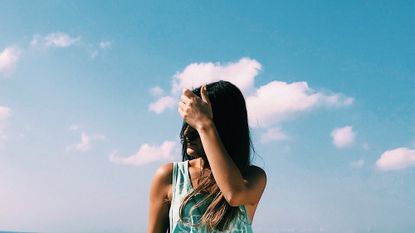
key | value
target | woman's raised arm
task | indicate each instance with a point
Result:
(236, 189)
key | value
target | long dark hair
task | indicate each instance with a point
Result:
(231, 121)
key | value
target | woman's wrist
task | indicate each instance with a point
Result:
(205, 125)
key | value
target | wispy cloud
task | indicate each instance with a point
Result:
(365, 146)
(96, 49)
(357, 164)
(146, 154)
(337, 100)
(343, 137)
(8, 59)
(162, 104)
(74, 127)
(396, 159)
(273, 134)
(156, 91)
(5, 114)
(105, 44)
(57, 39)
(85, 143)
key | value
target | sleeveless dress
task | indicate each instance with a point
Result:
(181, 185)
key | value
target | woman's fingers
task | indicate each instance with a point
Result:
(184, 99)
(182, 106)
(203, 94)
(187, 96)
(181, 110)
(194, 109)
(188, 93)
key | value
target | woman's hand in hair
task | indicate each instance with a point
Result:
(196, 111)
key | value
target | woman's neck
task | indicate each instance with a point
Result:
(201, 163)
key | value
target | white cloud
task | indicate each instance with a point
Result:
(36, 40)
(167, 151)
(105, 44)
(8, 59)
(95, 50)
(267, 105)
(93, 54)
(273, 134)
(241, 73)
(5, 114)
(357, 164)
(162, 104)
(86, 142)
(338, 100)
(156, 91)
(60, 40)
(57, 39)
(343, 137)
(396, 159)
(74, 127)
(278, 101)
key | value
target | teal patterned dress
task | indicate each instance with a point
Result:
(181, 185)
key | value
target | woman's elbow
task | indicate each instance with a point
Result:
(233, 199)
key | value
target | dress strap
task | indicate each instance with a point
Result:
(245, 213)
(174, 179)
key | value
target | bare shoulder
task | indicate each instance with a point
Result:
(161, 183)
(256, 171)
(255, 180)
(163, 174)
(256, 174)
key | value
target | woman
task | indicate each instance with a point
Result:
(215, 188)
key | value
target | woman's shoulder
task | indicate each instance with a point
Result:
(255, 171)
(164, 173)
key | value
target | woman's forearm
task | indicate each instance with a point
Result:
(227, 175)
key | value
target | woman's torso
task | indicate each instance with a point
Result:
(184, 178)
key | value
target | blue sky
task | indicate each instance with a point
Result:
(88, 98)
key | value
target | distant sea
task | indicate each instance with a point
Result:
(16, 232)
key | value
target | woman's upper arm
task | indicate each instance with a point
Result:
(255, 180)
(158, 218)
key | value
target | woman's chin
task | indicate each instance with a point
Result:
(192, 153)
